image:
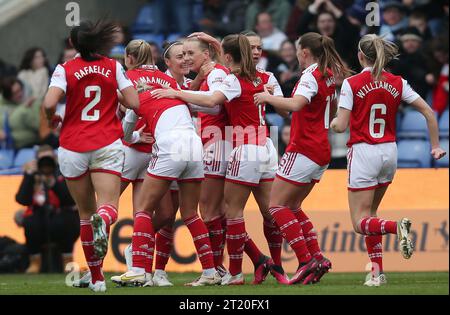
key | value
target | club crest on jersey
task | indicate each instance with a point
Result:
(257, 82)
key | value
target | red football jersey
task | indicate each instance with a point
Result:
(151, 76)
(374, 107)
(247, 119)
(90, 121)
(220, 120)
(309, 126)
(151, 109)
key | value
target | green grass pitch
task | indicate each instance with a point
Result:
(333, 283)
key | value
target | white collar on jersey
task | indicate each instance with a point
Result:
(186, 80)
(311, 68)
(149, 67)
(368, 69)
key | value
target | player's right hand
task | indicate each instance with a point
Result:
(145, 137)
(54, 122)
(438, 153)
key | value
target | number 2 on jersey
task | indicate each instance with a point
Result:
(377, 121)
(85, 116)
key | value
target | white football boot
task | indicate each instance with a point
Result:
(161, 279)
(98, 287)
(376, 281)
(100, 236)
(128, 254)
(228, 279)
(149, 282)
(204, 280)
(131, 278)
(403, 230)
(84, 281)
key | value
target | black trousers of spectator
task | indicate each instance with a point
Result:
(61, 228)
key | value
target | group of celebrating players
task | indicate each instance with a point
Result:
(137, 127)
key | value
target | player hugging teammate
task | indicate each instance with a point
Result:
(137, 127)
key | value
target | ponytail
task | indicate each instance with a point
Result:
(378, 52)
(322, 47)
(240, 50)
(330, 59)
(141, 51)
(91, 39)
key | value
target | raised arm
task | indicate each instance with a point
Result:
(204, 99)
(292, 104)
(421, 106)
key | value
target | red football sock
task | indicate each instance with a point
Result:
(224, 236)
(274, 240)
(236, 236)
(109, 214)
(200, 236)
(310, 235)
(252, 250)
(143, 241)
(164, 245)
(87, 242)
(216, 237)
(376, 226)
(292, 232)
(374, 246)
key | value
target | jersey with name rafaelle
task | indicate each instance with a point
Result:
(90, 120)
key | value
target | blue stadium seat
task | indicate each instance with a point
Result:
(444, 161)
(24, 156)
(414, 154)
(413, 126)
(6, 159)
(443, 124)
(144, 22)
(173, 37)
(150, 37)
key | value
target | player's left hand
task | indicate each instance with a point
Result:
(438, 153)
(164, 93)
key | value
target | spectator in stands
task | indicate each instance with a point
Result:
(279, 10)
(297, 11)
(157, 56)
(23, 115)
(394, 21)
(413, 64)
(68, 54)
(51, 217)
(418, 19)
(439, 53)
(35, 72)
(6, 70)
(173, 16)
(288, 71)
(325, 18)
(272, 37)
(12, 94)
(221, 17)
(285, 137)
